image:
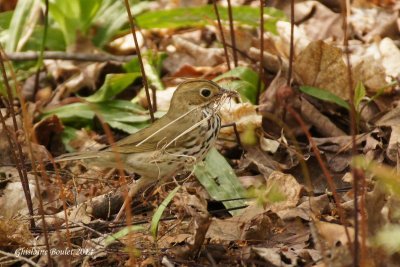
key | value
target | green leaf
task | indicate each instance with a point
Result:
(67, 136)
(119, 114)
(112, 17)
(19, 23)
(219, 179)
(245, 81)
(160, 210)
(74, 16)
(324, 95)
(113, 85)
(5, 19)
(120, 234)
(151, 67)
(54, 41)
(359, 94)
(201, 16)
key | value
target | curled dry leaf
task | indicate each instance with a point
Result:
(288, 187)
(331, 239)
(315, 13)
(243, 114)
(125, 45)
(202, 56)
(13, 201)
(243, 37)
(282, 41)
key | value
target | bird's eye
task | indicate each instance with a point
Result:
(205, 92)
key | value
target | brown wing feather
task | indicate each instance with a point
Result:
(130, 144)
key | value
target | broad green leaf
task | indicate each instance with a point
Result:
(74, 16)
(324, 95)
(5, 19)
(160, 210)
(121, 233)
(54, 41)
(151, 67)
(220, 181)
(113, 85)
(112, 17)
(119, 114)
(19, 23)
(243, 80)
(201, 16)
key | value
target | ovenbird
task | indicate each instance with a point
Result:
(172, 144)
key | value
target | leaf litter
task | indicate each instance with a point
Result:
(285, 215)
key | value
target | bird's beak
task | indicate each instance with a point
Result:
(229, 93)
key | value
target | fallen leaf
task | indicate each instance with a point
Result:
(322, 66)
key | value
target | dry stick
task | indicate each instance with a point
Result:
(261, 69)
(222, 34)
(353, 129)
(321, 163)
(232, 31)
(139, 54)
(19, 156)
(291, 55)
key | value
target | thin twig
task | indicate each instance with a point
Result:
(232, 31)
(222, 34)
(27, 126)
(291, 55)
(356, 172)
(19, 156)
(261, 69)
(32, 56)
(139, 54)
(233, 124)
(325, 171)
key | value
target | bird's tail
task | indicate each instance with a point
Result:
(78, 156)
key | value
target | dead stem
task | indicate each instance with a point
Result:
(139, 54)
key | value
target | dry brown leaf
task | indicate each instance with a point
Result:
(14, 234)
(243, 114)
(13, 201)
(196, 207)
(321, 22)
(321, 65)
(202, 56)
(288, 187)
(125, 45)
(392, 151)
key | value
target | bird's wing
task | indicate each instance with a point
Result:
(153, 137)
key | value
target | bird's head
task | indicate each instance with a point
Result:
(197, 93)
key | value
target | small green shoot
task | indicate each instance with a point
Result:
(159, 212)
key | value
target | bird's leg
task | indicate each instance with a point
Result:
(233, 124)
(143, 182)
